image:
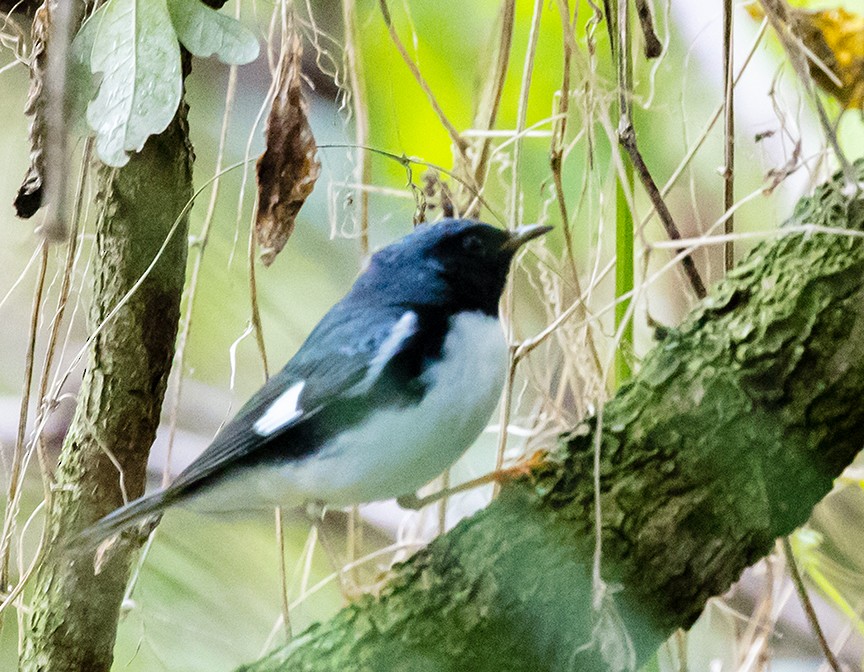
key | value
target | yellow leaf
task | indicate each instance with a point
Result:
(835, 41)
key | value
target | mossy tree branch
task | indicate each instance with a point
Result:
(74, 612)
(734, 428)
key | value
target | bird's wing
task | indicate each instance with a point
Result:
(347, 358)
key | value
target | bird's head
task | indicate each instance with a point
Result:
(460, 264)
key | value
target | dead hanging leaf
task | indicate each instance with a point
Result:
(835, 39)
(29, 197)
(289, 167)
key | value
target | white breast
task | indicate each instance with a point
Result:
(396, 452)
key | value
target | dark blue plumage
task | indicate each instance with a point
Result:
(392, 385)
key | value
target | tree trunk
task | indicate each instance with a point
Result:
(732, 431)
(74, 612)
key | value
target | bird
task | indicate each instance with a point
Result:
(390, 388)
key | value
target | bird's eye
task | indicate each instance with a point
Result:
(472, 245)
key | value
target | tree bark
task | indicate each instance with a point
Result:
(732, 431)
(74, 611)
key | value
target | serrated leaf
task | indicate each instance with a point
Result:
(204, 32)
(136, 50)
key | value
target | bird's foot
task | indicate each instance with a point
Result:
(520, 470)
(315, 511)
(315, 514)
(412, 501)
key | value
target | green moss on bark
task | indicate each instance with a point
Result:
(734, 428)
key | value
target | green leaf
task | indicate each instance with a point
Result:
(82, 86)
(136, 50)
(204, 32)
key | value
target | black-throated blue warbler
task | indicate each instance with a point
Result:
(390, 388)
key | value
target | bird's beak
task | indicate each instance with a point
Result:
(522, 235)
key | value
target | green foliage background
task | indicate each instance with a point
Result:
(209, 590)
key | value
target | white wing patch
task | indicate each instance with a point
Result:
(283, 410)
(404, 328)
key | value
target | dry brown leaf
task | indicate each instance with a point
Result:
(289, 167)
(836, 38)
(29, 197)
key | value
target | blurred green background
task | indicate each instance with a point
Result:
(208, 593)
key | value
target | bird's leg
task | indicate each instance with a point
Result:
(519, 470)
(315, 512)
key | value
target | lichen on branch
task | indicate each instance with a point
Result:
(734, 428)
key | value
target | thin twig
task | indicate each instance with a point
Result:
(359, 105)
(492, 101)
(556, 160)
(703, 135)
(653, 45)
(16, 477)
(253, 301)
(25, 576)
(460, 142)
(808, 606)
(94, 334)
(442, 503)
(776, 12)
(522, 111)
(407, 161)
(62, 299)
(559, 131)
(627, 138)
(504, 423)
(354, 542)
(514, 221)
(624, 201)
(197, 253)
(728, 130)
(283, 573)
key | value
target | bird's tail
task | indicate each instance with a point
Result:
(121, 519)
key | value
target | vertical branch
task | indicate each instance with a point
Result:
(118, 409)
(46, 402)
(728, 133)
(65, 17)
(652, 44)
(504, 424)
(360, 105)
